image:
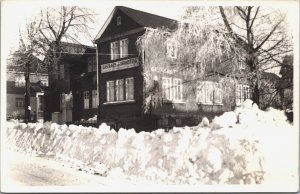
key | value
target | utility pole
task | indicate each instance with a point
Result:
(27, 94)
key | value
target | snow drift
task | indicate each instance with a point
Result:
(245, 146)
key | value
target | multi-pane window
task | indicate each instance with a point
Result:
(177, 89)
(119, 49)
(114, 50)
(167, 88)
(86, 100)
(172, 89)
(171, 50)
(92, 66)
(129, 87)
(20, 102)
(95, 99)
(110, 91)
(209, 92)
(120, 89)
(123, 48)
(218, 95)
(242, 93)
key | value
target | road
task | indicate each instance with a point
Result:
(22, 172)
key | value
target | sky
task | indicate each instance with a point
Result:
(15, 13)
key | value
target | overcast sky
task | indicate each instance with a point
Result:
(14, 13)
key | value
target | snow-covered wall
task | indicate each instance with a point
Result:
(240, 147)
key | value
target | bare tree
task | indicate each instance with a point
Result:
(43, 38)
(261, 34)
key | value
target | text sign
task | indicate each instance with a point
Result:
(119, 65)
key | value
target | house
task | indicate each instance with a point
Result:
(73, 84)
(16, 94)
(136, 89)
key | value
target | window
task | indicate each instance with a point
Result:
(177, 89)
(110, 91)
(242, 93)
(95, 99)
(172, 89)
(20, 81)
(92, 66)
(119, 22)
(61, 71)
(129, 88)
(171, 50)
(209, 92)
(218, 96)
(118, 91)
(20, 102)
(41, 103)
(242, 66)
(114, 50)
(86, 100)
(167, 88)
(123, 48)
(44, 82)
(119, 49)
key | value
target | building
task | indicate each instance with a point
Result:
(72, 95)
(133, 93)
(16, 94)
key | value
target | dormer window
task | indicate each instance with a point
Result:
(242, 66)
(171, 50)
(119, 21)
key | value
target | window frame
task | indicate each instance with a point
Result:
(122, 90)
(86, 100)
(119, 90)
(119, 20)
(171, 46)
(209, 92)
(110, 91)
(20, 101)
(123, 48)
(242, 93)
(129, 88)
(114, 50)
(170, 86)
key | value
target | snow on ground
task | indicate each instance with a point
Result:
(245, 146)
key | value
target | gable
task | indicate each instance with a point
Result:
(127, 24)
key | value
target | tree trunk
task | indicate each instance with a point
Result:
(255, 94)
(27, 95)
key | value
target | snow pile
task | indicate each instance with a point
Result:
(240, 147)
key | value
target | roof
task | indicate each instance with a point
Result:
(12, 89)
(33, 77)
(142, 18)
(35, 66)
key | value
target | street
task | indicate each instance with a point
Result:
(26, 170)
(22, 172)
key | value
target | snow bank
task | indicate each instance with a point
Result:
(240, 147)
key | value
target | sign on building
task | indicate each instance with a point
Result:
(120, 65)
